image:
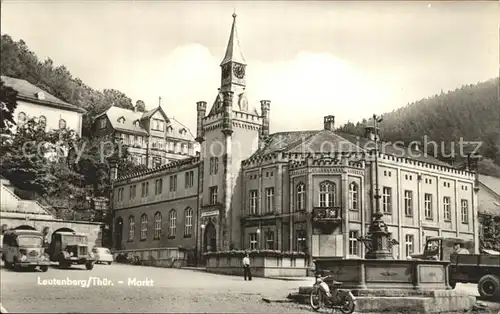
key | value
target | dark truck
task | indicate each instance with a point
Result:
(70, 248)
(482, 269)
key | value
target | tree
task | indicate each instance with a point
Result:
(114, 97)
(8, 103)
(140, 106)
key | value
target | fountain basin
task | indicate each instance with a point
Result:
(362, 274)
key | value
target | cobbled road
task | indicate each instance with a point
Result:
(172, 290)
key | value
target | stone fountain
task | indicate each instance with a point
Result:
(384, 284)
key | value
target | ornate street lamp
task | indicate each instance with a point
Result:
(378, 240)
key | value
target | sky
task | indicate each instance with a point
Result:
(311, 59)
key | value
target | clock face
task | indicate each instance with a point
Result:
(239, 71)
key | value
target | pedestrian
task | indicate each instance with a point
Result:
(246, 267)
(458, 249)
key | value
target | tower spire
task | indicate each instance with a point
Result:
(233, 50)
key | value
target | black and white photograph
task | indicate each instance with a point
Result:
(164, 156)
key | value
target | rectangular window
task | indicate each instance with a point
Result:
(428, 206)
(120, 194)
(447, 208)
(132, 192)
(301, 240)
(103, 122)
(253, 202)
(387, 200)
(408, 203)
(214, 165)
(158, 186)
(353, 243)
(188, 225)
(189, 179)
(353, 196)
(173, 183)
(158, 125)
(464, 205)
(301, 196)
(409, 244)
(156, 162)
(213, 195)
(253, 241)
(269, 240)
(269, 200)
(144, 189)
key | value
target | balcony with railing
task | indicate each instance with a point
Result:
(326, 215)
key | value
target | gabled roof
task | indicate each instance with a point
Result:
(491, 183)
(114, 113)
(29, 92)
(130, 116)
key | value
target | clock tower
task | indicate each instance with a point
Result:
(233, 70)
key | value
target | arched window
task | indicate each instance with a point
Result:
(43, 121)
(62, 124)
(21, 119)
(188, 222)
(144, 227)
(131, 228)
(353, 196)
(157, 233)
(301, 196)
(172, 217)
(327, 194)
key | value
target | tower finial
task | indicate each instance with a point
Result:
(234, 13)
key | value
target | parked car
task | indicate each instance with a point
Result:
(103, 255)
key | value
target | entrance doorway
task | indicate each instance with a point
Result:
(210, 238)
(118, 233)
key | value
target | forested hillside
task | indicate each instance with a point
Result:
(471, 112)
(69, 181)
(19, 62)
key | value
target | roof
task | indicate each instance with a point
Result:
(325, 141)
(29, 92)
(174, 127)
(491, 183)
(233, 50)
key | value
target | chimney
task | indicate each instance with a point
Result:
(329, 123)
(265, 106)
(201, 109)
(227, 104)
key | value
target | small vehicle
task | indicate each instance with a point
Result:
(441, 248)
(103, 255)
(70, 248)
(23, 249)
(321, 297)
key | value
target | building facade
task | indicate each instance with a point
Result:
(306, 191)
(152, 139)
(33, 102)
(489, 195)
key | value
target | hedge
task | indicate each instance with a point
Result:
(254, 253)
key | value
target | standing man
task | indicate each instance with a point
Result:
(246, 267)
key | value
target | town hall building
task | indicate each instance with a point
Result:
(309, 191)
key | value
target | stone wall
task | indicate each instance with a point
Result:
(92, 229)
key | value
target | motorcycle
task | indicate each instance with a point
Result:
(322, 297)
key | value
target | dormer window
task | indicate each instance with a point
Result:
(40, 95)
(183, 131)
(169, 128)
(136, 123)
(121, 120)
